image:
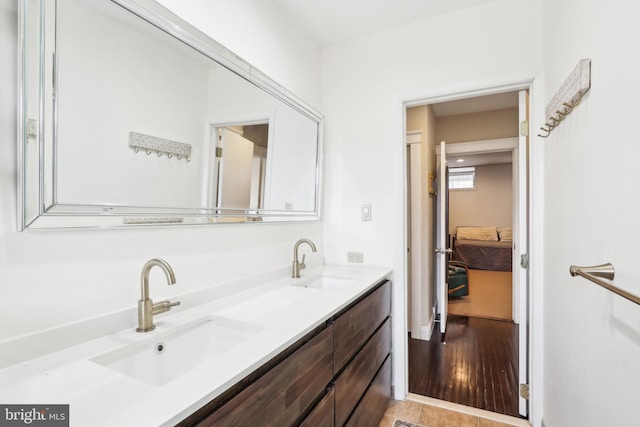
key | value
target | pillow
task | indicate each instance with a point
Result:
(477, 233)
(505, 233)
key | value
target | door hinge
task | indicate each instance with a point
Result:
(524, 261)
(524, 391)
(524, 128)
(218, 152)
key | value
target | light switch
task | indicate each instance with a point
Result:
(365, 212)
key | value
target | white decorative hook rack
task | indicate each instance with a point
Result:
(152, 144)
(567, 97)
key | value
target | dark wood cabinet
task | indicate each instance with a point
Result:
(281, 395)
(358, 374)
(374, 403)
(323, 414)
(338, 373)
(354, 327)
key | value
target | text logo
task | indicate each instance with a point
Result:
(34, 415)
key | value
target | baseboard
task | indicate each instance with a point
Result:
(427, 330)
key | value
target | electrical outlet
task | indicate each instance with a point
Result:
(354, 257)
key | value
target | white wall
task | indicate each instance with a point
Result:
(258, 32)
(422, 294)
(145, 83)
(591, 336)
(364, 81)
(489, 204)
(361, 79)
(54, 277)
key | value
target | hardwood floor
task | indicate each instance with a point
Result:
(478, 365)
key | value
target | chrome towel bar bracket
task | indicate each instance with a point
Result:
(604, 271)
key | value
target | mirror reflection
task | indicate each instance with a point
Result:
(239, 169)
(132, 121)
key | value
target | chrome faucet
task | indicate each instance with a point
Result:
(297, 265)
(146, 307)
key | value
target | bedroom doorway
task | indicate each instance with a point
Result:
(491, 147)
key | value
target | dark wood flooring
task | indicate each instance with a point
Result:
(477, 366)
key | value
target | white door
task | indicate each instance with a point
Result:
(234, 188)
(522, 249)
(442, 241)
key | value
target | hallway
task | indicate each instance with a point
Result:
(477, 367)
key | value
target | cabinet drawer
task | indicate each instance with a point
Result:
(353, 328)
(371, 408)
(322, 415)
(357, 376)
(281, 395)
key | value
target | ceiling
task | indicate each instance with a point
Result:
(333, 21)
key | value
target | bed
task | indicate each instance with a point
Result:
(484, 248)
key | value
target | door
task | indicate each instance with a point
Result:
(234, 184)
(442, 242)
(522, 231)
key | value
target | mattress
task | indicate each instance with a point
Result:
(484, 255)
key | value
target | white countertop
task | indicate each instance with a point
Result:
(101, 396)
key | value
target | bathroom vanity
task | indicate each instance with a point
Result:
(339, 369)
(312, 351)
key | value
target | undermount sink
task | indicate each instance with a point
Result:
(325, 282)
(167, 356)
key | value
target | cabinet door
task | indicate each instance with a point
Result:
(371, 408)
(353, 328)
(284, 393)
(354, 380)
(322, 415)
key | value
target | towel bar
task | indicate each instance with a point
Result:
(606, 271)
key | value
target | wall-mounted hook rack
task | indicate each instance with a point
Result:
(567, 97)
(160, 146)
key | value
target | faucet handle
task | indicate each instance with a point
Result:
(163, 306)
(302, 264)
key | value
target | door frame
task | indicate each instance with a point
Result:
(441, 230)
(469, 89)
(208, 153)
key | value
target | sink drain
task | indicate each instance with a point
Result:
(160, 348)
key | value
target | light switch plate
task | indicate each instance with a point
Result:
(365, 212)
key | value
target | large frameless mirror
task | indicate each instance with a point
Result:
(131, 116)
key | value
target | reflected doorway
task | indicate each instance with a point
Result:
(238, 166)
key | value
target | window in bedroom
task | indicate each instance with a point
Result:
(462, 178)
